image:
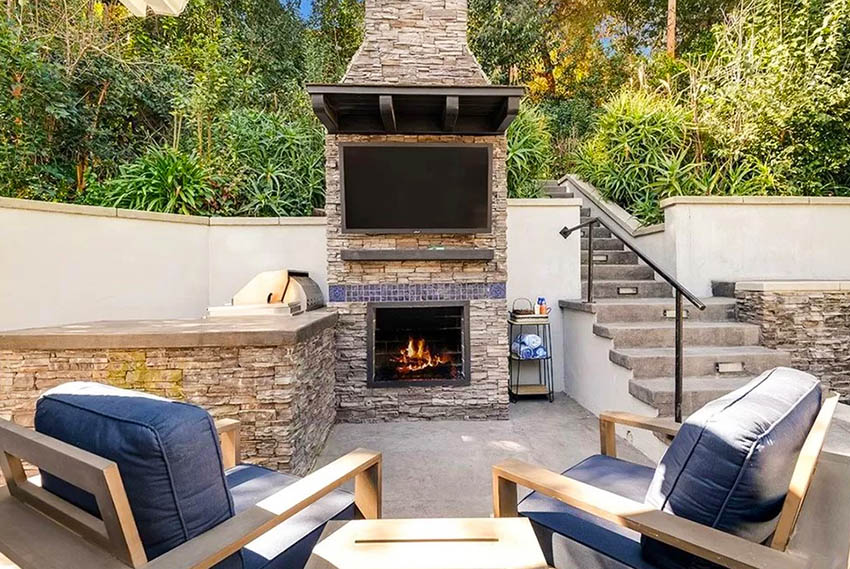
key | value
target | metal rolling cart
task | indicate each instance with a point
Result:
(519, 324)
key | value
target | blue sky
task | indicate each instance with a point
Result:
(305, 8)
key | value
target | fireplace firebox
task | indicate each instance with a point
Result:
(418, 344)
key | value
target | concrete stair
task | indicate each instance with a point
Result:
(603, 244)
(613, 272)
(632, 288)
(661, 334)
(613, 310)
(699, 360)
(610, 258)
(636, 313)
(659, 391)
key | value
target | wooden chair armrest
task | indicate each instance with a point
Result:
(228, 434)
(204, 551)
(705, 542)
(609, 419)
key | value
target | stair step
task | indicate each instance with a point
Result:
(611, 310)
(558, 192)
(610, 257)
(598, 233)
(699, 390)
(628, 288)
(698, 360)
(662, 334)
(603, 244)
(604, 272)
(585, 212)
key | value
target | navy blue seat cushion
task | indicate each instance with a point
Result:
(730, 465)
(288, 546)
(167, 453)
(600, 542)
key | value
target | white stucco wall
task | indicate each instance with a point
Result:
(239, 249)
(542, 263)
(756, 238)
(57, 268)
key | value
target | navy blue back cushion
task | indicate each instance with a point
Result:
(167, 452)
(730, 465)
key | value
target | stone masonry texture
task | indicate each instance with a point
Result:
(415, 42)
(283, 395)
(814, 326)
(419, 42)
(480, 282)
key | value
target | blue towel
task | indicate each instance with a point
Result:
(516, 348)
(533, 341)
(540, 352)
(526, 353)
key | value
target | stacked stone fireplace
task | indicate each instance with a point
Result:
(419, 336)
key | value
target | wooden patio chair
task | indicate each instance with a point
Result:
(604, 512)
(82, 512)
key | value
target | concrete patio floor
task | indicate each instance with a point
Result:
(442, 468)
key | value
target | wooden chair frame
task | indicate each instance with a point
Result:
(708, 543)
(117, 534)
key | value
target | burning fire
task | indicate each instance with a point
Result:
(417, 357)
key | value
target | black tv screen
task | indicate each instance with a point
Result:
(416, 188)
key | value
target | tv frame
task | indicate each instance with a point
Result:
(413, 231)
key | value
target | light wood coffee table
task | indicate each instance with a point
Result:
(499, 543)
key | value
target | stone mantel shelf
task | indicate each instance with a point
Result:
(417, 254)
(176, 333)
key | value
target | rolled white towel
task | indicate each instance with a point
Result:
(533, 341)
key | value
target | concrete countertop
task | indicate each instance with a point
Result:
(177, 333)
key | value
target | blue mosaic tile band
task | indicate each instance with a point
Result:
(417, 292)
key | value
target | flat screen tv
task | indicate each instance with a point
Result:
(416, 188)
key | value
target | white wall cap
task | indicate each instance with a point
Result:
(779, 286)
(544, 202)
(753, 200)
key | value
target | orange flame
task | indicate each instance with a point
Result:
(417, 356)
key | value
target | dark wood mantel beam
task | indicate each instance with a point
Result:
(385, 102)
(325, 112)
(507, 114)
(451, 112)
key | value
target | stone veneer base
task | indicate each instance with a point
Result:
(283, 395)
(485, 398)
(813, 325)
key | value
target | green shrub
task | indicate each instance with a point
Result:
(640, 153)
(163, 180)
(529, 152)
(272, 164)
(569, 121)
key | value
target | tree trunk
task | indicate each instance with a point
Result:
(671, 28)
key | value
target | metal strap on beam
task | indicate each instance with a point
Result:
(385, 103)
(451, 112)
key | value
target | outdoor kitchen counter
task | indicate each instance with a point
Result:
(176, 333)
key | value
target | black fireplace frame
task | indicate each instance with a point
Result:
(371, 309)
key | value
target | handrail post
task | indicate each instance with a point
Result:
(590, 262)
(679, 358)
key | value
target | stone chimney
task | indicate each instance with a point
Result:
(415, 42)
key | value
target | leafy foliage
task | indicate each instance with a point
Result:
(529, 152)
(163, 180)
(766, 112)
(275, 165)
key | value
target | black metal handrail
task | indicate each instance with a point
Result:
(680, 289)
